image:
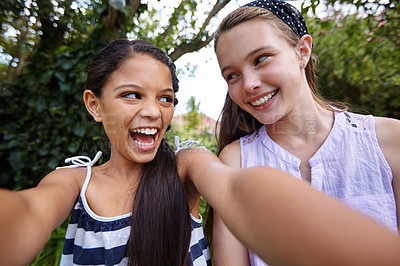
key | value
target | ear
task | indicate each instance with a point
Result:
(305, 48)
(92, 104)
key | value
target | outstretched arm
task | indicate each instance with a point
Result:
(286, 221)
(29, 216)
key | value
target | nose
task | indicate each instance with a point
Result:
(251, 81)
(150, 110)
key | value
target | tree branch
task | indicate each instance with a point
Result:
(199, 42)
(194, 45)
(114, 21)
(214, 11)
(133, 6)
(175, 14)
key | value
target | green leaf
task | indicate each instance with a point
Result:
(73, 147)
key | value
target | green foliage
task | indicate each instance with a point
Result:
(358, 59)
(191, 128)
(44, 119)
(42, 112)
(202, 209)
(193, 116)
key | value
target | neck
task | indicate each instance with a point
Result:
(306, 122)
(121, 169)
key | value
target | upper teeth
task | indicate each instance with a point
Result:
(147, 131)
(264, 99)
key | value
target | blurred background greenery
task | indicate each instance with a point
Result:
(46, 46)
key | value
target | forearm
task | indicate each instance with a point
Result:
(210, 176)
(21, 236)
(286, 221)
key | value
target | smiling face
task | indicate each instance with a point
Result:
(264, 73)
(136, 107)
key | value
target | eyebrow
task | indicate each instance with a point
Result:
(123, 86)
(168, 90)
(249, 55)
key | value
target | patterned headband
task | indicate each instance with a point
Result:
(286, 12)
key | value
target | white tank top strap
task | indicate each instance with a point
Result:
(83, 161)
(184, 144)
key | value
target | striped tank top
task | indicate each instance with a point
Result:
(95, 240)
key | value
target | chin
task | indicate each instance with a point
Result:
(145, 158)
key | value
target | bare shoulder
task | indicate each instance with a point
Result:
(230, 155)
(187, 158)
(62, 187)
(72, 177)
(388, 132)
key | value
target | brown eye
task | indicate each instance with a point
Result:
(167, 99)
(260, 59)
(230, 77)
(132, 95)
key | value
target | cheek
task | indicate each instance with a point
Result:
(167, 115)
(110, 122)
(274, 73)
(233, 91)
(236, 94)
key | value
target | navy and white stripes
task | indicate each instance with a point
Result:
(100, 241)
(199, 253)
(103, 241)
(95, 240)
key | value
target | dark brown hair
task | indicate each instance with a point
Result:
(161, 224)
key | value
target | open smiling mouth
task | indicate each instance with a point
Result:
(144, 137)
(265, 99)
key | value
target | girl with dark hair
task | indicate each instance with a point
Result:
(273, 116)
(131, 210)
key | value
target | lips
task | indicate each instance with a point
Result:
(264, 100)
